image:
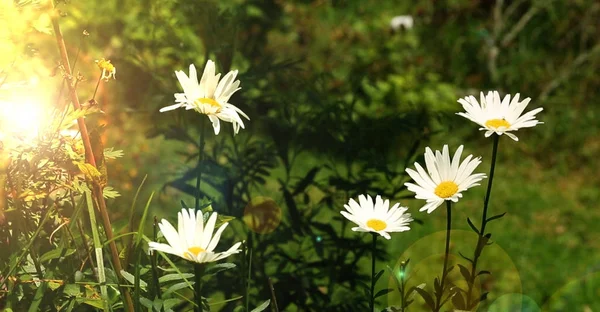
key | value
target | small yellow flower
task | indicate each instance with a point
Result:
(107, 68)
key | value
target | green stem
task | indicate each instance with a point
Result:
(440, 295)
(96, 89)
(249, 278)
(481, 239)
(199, 268)
(373, 246)
(489, 186)
(403, 286)
(198, 271)
(274, 306)
(153, 262)
(98, 249)
(200, 157)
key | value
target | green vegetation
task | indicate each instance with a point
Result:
(340, 104)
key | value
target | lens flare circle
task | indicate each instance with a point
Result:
(514, 302)
(426, 261)
(262, 215)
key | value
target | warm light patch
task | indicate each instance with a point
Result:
(497, 123)
(446, 189)
(21, 119)
(376, 224)
(211, 102)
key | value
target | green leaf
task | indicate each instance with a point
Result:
(262, 306)
(426, 296)
(168, 304)
(37, 298)
(54, 285)
(221, 219)
(484, 272)
(110, 153)
(472, 226)
(465, 272)
(378, 275)
(495, 217)
(131, 279)
(110, 192)
(55, 253)
(219, 268)
(177, 287)
(464, 257)
(146, 303)
(174, 277)
(458, 301)
(450, 268)
(72, 290)
(157, 304)
(96, 303)
(383, 292)
(437, 286)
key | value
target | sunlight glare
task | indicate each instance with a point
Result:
(20, 120)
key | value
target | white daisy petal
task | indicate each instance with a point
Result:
(215, 239)
(163, 248)
(215, 123)
(452, 176)
(194, 240)
(170, 107)
(376, 216)
(170, 233)
(210, 96)
(208, 230)
(499, 116)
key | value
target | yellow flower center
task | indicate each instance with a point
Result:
(211, 102)
(497, 123)
(446, 189)
(195, 250)
(105, 65)
(376, 224)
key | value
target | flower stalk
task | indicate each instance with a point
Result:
(482, 239)
(89, 157)
(198, 267)
(97, 250)
(200, 158)
(198, 272)
(374, 248)
(439, 295)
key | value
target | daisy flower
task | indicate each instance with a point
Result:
(401, 22)
(497, 116)
(193, 240)
(376, 216)
(444, 179)
(108, 69)
(210, 96)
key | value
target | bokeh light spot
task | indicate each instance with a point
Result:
(262, 215)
